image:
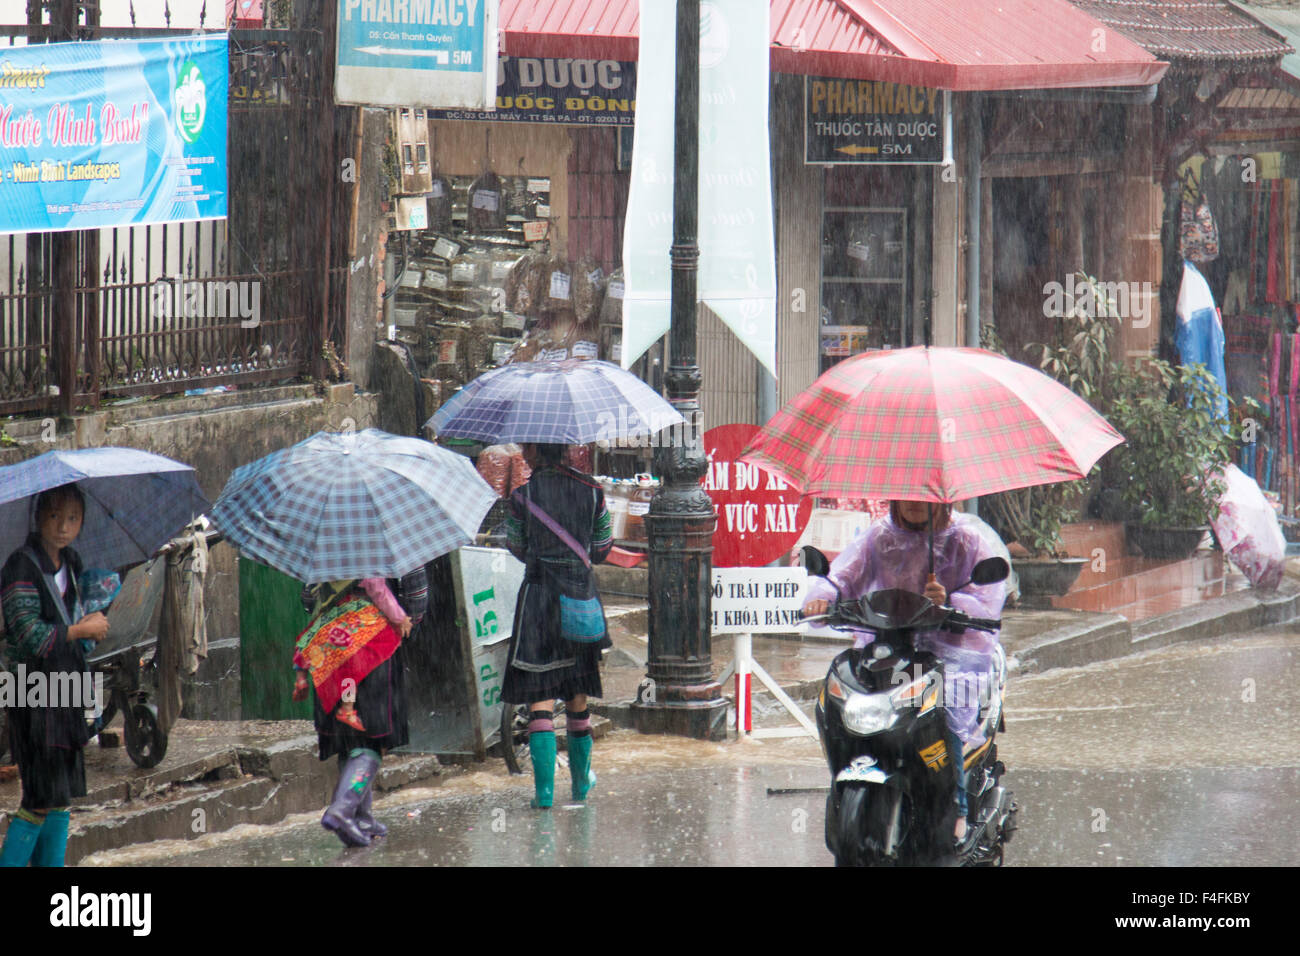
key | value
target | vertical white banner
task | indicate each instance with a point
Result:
(648, 227)
(737, 278)
(737, 247)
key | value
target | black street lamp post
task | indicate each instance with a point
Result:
(681, 695)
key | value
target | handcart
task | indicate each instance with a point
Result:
(126, 658)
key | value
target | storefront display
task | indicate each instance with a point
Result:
(1255, 278)
(481, 287)
(864, 280)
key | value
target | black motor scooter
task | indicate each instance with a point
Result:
(880, 717)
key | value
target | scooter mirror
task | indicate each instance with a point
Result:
(990, 571)
(815, 562)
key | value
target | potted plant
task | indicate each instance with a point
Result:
(1030, 520)
(1176, 447)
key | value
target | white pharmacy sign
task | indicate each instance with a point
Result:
(436, 54)
(758, 600)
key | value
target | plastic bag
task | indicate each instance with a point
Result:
(1248, 529)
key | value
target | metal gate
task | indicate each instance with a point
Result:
(149, 310)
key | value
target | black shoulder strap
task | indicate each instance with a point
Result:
(51, 585)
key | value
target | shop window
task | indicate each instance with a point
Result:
(422, 157)
(408, 167)
(864, 280)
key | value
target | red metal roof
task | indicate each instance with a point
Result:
(1190, 29)
(948, 44)
(604, 29)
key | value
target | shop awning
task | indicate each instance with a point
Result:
(1199, 31)
(1287, 24)
(959, 45)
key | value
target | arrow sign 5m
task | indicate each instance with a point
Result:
(438, 54)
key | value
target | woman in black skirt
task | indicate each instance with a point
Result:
(47, 633)
(380, 704)
(543, 665)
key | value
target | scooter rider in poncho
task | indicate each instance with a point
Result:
(896, 552)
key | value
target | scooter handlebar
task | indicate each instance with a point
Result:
(848, 615)
(960, 622)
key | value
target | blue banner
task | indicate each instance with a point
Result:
(112, 133)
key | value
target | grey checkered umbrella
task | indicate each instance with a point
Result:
(345, 505)
(567, 403)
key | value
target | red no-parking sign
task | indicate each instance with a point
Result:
(760, 517)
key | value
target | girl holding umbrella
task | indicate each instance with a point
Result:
(929, 549)
(47, 633)
(120, 505)
(352, 651)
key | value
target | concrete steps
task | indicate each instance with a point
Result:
(213, 779)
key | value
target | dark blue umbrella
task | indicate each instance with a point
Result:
(136, 501)
(344, 505)
(564, 403)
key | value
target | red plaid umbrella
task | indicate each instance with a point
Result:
(931, 424)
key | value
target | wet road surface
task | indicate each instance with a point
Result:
(1188, 755)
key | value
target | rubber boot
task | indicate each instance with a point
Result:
(366, 822)
(52, 843)
(20, 841)
(340, 816)
(580, 766)
(542, 745)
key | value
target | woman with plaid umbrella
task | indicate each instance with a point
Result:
(353, 651)
(353, 509)
(557, 526)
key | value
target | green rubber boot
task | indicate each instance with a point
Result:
(20, 841)
(580, 766)
(52, 844)
(542, 745)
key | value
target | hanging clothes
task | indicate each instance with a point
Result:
(1200, 337)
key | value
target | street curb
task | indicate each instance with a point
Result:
(1110, 636)
(1097, 637)
(257, 785)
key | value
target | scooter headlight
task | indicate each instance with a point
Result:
(869, 713)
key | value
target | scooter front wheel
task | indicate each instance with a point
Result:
(869, 826)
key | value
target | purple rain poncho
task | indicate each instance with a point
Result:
(888, 556)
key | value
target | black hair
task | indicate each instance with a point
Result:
(53, 496)
(548, 454)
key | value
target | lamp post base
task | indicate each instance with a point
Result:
(703, 719)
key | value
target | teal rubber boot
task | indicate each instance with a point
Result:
(542, 745)
(52, 844)
(20, 841)
(580, 767)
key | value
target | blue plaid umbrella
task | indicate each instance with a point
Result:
(345, 505)
(135, 501)
(565, 403)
